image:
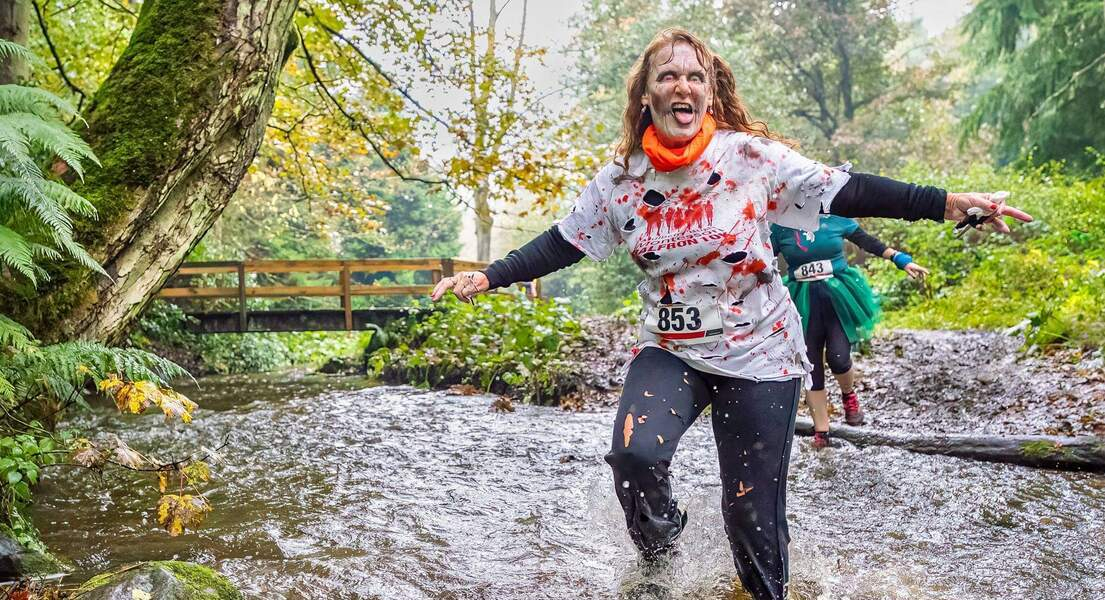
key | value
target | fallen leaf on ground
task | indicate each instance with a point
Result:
(464, 389)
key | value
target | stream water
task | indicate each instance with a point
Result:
(335, 490)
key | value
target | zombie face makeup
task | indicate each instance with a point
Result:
(677, 95)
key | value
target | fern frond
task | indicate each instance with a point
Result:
(15, 149)
(17, 98)
(17, 253)
(46, 252)
(55, 138)
(68, 199)
(9, 49)
(42, 205)
(13, 336)
(78, 252)
(61, 370)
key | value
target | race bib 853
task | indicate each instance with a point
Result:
(685, 323)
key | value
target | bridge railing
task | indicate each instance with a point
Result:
(346, 290)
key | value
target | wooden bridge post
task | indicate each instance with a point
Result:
(242, 297)
(346, 299)
(447, 267)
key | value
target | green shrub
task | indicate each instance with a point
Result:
(165, 325)
(1046, 278)
(503, 344)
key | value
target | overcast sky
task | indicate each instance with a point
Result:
(548, 26)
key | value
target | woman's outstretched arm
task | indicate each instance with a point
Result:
(874, 245)
(542, 255)
(867, 195)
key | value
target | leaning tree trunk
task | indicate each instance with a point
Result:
(176, 124)
(14, 21)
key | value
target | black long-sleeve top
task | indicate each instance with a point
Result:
(863, 195)
(866, 241)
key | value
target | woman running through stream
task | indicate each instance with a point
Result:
(837, 307)
(691, 192)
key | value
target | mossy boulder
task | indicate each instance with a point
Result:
(17, 561)
(163, 580)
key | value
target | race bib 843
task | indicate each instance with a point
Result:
(814, 271)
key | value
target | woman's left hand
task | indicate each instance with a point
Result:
(958, 203)
(916, 271)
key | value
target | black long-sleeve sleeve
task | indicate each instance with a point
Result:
(540, 256)
(866, 241)
(872, 196)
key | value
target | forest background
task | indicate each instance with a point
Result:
(368, 128)
(396, 123)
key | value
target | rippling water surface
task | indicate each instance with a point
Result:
(390, 492)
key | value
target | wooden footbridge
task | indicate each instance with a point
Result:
(192, 287)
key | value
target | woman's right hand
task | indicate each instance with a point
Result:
(916, 271)
(465, 285)
(993, 204)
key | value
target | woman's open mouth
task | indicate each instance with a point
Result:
(683, 113)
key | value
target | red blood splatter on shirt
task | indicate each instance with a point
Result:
(689, 196)
(729, 239)
(749, 267)
(740, 337)
(623, 199)
(735, 310)
(778, 325)
(730, 185)
(709, 258)
(750, 210)
(668, 280)
(772, 205)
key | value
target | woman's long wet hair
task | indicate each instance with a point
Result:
(727, 108)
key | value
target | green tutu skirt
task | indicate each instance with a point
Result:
(855, 303)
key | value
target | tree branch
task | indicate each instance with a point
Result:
(57, 58)
(353, 122)
(380, 71)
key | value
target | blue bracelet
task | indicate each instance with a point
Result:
(901, 259)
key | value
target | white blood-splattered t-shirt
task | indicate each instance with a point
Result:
(701, 235)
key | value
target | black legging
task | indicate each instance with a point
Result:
(825, 337)
(753, 426)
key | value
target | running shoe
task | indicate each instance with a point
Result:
(821, 440)
(853, 414)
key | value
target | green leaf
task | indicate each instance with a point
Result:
(13, 477)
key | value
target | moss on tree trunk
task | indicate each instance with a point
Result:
(176, 124)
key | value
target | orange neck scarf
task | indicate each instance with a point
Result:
(669, 159)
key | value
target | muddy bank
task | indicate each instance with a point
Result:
(934, 381)
(978, 382)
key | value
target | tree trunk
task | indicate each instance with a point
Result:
(484, 220)
(1085, 453)
(176, 124)
(14, 20)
